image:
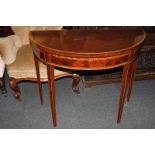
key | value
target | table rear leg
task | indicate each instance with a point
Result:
(125, 76)
(38, 78)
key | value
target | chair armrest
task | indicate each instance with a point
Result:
(53, 27)
(9, 47)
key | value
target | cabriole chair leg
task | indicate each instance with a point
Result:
(15, 88)
(2, 87)
(76, 80)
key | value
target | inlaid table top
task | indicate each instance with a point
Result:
(87, 44)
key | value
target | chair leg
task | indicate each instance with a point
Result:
(2, 87)
(133, 73)
(15, 88)
(125, 76)
(76, 80)
(38, 78)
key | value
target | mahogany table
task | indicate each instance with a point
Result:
(88, 50)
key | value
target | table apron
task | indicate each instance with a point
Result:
(88, 63)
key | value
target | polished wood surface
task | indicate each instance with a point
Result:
(86, 42)
(89, 50)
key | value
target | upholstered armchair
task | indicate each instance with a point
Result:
(18, 57)
(2, 84)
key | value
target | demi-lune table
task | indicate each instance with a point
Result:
(88, 50)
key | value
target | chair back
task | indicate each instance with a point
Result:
(22, 31)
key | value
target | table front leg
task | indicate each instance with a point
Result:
(38, 78)
(131, 81)
(51, 84)
(125, 78)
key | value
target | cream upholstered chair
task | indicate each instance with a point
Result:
(2, 85)
(18, 56)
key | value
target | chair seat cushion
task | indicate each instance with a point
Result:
(24, 67)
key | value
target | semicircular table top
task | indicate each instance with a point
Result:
(86, 42)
